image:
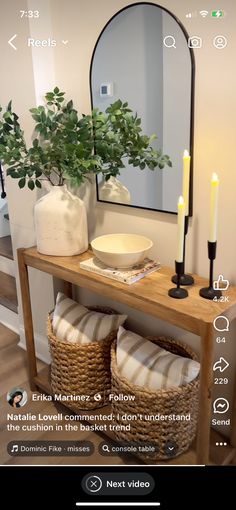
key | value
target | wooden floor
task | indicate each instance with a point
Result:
(8, 295)
(6, 247)
(13, 373)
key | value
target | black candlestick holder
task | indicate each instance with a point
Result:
(177, 292)
(210, 292)
(185, 279)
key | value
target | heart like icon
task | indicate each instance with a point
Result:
(64, 41)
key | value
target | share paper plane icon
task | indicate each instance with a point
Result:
(221, 365)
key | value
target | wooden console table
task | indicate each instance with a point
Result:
(149, 295)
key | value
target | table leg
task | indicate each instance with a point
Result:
(27, 314)
(205, 405)
(68, 289)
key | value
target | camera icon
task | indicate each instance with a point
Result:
(195, 42)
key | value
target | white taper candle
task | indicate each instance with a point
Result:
(214, 207)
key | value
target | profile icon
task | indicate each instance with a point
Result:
(220, 42)
(17, 397)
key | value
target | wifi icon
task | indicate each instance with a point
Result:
(204, 13)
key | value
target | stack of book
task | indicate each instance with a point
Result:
(130, 275)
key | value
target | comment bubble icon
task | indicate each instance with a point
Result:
(221, 323)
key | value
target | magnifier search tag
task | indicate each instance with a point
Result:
(169, 41)
(105, 448)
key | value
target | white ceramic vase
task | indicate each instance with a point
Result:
(114, 191)
(61, 223)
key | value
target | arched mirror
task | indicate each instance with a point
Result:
(142, 56)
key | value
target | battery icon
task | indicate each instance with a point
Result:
(217, 14)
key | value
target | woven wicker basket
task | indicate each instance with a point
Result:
(176, 400)
(81, 370)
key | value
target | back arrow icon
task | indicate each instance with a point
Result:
(10, 42)
(221, 365)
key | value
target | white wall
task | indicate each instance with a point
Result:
(25, 76)
(17, 84)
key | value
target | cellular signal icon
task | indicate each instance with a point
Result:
(191, 14)
(204, 14)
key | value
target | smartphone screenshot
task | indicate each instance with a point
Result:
(117, 252)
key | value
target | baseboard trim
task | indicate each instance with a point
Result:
(9, 319)
(41, 346)
(7, 266)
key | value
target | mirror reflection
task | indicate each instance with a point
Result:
(142, 57)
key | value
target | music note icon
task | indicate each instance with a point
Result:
(14, 448)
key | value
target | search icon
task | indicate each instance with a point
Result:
(169, 41)
(105, 448)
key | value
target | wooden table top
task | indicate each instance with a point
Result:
(149, 295)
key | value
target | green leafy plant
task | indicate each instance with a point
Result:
(66, 147)
(118, 138)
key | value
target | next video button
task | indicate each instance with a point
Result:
(118, 484)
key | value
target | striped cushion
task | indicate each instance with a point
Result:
(74, 323)
(146, 364)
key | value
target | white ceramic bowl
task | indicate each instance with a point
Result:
(121, 250)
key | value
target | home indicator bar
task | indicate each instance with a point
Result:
(124, 503)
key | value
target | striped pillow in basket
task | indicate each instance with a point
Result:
(74, 323)
(146, 364)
